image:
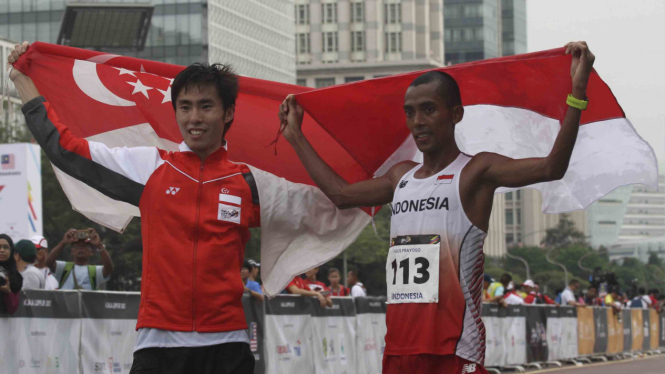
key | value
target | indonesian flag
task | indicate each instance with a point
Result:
(513, 106)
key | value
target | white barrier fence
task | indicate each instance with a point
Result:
(94, 332)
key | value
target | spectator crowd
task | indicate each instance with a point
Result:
(29, 265)
(505, 292)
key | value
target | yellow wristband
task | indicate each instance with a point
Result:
(576, 103)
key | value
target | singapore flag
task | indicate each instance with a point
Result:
(513, 106)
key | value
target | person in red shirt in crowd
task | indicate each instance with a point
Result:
(653, 295)
(535, 297)
(298, 286)
(336, 289)
(311, 281)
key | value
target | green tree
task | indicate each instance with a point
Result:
(563, 234)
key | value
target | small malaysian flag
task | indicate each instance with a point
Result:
(253, 340)
(8, 162)
(445, 179)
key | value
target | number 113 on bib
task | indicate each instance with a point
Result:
(412, 269)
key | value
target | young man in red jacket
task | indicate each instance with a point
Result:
(196, 210)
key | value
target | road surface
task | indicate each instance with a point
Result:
(648, 365)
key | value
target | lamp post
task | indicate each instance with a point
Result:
(565, 271)
(524, 261)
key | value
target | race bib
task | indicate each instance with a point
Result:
(412, 270)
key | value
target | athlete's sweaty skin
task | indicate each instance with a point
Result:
(432, 124)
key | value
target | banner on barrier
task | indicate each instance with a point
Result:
(513, 324)
(108, 331)
(600, 329)
(637, 328)
(586, 331)
(562, 333)
(255, 331)
(370, 334)
(614, 331)
(653, 325)
(494, 348)
(662, 330)
(43, 335)
(334, 337)
(536, 334)
(646, 330)
(627, 318)
(288, 339)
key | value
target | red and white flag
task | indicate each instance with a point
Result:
(513, 106)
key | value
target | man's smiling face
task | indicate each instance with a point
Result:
(201, 116)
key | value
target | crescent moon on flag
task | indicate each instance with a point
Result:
(85, 76)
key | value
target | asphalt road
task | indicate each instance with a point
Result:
(649, 365)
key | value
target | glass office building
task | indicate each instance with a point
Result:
(482, 29)
(178, 31)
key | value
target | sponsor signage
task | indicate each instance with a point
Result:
(21, 190)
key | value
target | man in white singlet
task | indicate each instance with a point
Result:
(441, 212)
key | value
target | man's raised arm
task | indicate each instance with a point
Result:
(501, 171)
(372, 192)
(24, 85)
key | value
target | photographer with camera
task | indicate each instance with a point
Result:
(79, 274)
(11, 280)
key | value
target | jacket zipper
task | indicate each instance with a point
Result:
(196, 244)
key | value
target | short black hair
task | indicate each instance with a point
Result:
(506, 278)
(448, 88)
(355, 272)
(222, 76)
(641, 291)
(333, 270)
(248, 265)
(574, 281)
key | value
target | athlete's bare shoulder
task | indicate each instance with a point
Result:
(397, 171)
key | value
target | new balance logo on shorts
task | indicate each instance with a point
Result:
(172, 190)
(468, 368)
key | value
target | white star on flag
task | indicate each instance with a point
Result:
(125, 71)
(167, 95)
(140, 87)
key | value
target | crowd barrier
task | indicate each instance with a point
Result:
(94, 332)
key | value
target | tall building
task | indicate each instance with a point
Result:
(630, 222)
(527, 225)
(482, 29)
(178, 31)
(256, 37)
(340, 41)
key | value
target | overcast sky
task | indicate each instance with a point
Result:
(628, 39)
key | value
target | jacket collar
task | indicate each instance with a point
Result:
(218, 154)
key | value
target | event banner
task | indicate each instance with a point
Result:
(600, 325)
(108, 331)
(43, 335)
(627, 315)
(513, 323)
(586, 331)
(562, 333)
(636, 318)
(662, 330)
(254, 316)
(614, 331)
(288, 335)
(646, 330)
(653, 327)
(536, 334)
(370, 333)
(494, 348)
(21, 190)
(334, 337)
